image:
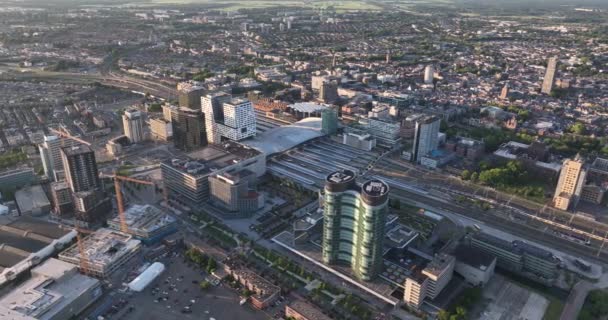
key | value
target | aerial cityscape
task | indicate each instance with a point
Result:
(303, 159)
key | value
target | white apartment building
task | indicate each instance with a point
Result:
(133, 125)
(50, 154)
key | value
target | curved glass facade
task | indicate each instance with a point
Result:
(353, 232)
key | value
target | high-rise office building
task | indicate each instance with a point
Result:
(133, 125)
(570, 184)
(188, 129)
(90, 203)
(80, 168)
(328, 93)
(426, 136)
(504, 93)
(228, 118)
(50, 154)
(329, 121)
(189, 95)
(429, 74)
(353, 223)
(161, 129)
(549, 79)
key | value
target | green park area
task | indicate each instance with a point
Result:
(9, 159)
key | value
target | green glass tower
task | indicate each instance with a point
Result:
(353, 223)
(329, 121)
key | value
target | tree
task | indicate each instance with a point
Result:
(578, 128)
(443, 315)
(204, 285)
(474, 176)
(465, 174)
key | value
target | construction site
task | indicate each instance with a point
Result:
(102, 252)
(146, 223)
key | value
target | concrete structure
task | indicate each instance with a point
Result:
(61, 197)
(534, 156)
(50, 154)
(91, 205)
(145, 278)
(429, 72)
(80, 168)
(570, 184)
(302, 310)
(354, 220)
(113, 147)
(476, 266)
(133, 125)
(13, 179)
(429, 281)
(408, 125)
(308, 226)
(228, 118)
(385, 131)
(363, 141)
(187, 178)
(168, 111)
(329, 121)
(549, 79)
(596, 182)
(106, 251)
(161, 129)
(55, 291)
(517, 256)
(328, 93)
(466, 147)
(264, 292)
(188, 128)
(32, 201)
(235, 191)
(426, 137)
(189, 95)
(26, 242)
(146, 223)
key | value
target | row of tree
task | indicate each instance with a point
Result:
(202, 260)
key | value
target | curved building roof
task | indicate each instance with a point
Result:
(283, 138)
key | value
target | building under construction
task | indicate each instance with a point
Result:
(102, 252)
(146, 223)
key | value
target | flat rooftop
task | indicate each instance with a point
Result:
(53, 285)
(307, 310)
(30, 198)
(78, 149)
(103, 247)
(473, 257)
(375, 188)
(211, 158)
(341, 176)
(146, 218)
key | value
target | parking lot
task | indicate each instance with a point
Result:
(176, 294)
(508, 301)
